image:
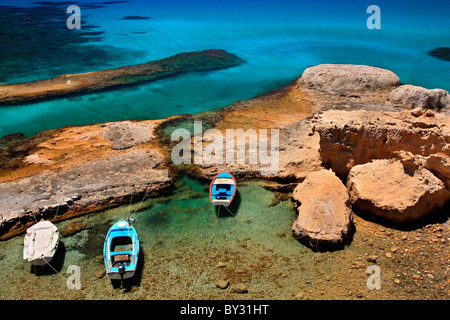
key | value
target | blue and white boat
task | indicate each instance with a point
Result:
(121, 251)
(222, 189)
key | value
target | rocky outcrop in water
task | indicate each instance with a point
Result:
(96, 81)
(338, 117)
(396, 164)
(78, 170)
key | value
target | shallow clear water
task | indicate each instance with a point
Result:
(182, 237)
(278, 39)
(187, 247)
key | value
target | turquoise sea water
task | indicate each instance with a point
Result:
(187, 247)
(278, 39)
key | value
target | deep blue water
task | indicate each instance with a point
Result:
(278, 39)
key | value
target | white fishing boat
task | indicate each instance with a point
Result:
(40, 243)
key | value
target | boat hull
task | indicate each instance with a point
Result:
(42, 261)
(121, 251)
(217, 203)
(41, 243)
(222, 189)
(117, 276)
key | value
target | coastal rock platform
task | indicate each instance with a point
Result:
(76, 170)
(83, 169)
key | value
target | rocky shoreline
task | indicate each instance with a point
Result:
(342, 127)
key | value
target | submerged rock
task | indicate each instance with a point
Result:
(100, 273)
(324, 212)
(239, 288)
(73, 228)
(395, 191)
(442, 53)
(222, 284)
(136, 18)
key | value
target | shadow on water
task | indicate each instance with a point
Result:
(56, 263)
(232, 209)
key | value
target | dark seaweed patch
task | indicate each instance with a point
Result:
(442, 53)
(135, 18)
(36, 43)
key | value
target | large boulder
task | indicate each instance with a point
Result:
(344, 79)
(324, 213)
(349, 138)
(395, 190)
(410, 97)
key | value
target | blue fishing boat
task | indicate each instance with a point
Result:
(222, 189)
(121, 250)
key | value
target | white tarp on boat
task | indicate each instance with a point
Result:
(224, 181)
(41, 242)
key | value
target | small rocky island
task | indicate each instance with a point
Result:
(96, 81)
(352, 138)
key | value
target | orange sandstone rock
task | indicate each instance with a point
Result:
(391, 190)
(324, 212)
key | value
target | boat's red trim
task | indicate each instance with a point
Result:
(210, 187)
(235, 187)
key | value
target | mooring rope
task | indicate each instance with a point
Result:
(65, 279)
(54, 269)
(140, 203)
(139, 206)
(253, 226)
(204, 256)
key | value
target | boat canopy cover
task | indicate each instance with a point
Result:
(224, 181)
(40, 240)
